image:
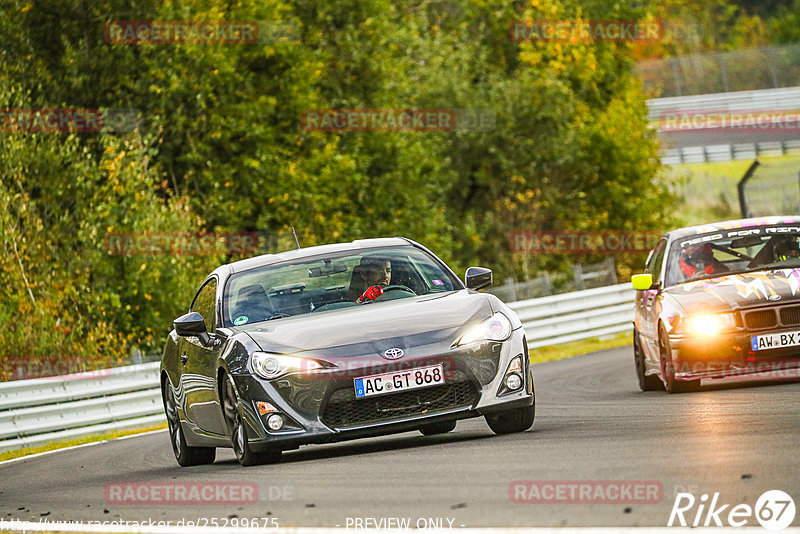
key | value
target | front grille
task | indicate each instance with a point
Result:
(760, 319)
(344, 409)
(790, 315)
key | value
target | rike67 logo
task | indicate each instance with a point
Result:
(774, 510)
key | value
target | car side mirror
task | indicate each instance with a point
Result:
(192, 324)
(478, 278)
(642, 282)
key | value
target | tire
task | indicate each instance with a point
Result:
(184, 454)
(238, 432)
(516, 420)
(512, 421)
(668, 368)
(437, 428)
(646, 382)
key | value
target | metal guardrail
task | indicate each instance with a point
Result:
(35, 412)
(748, 151)
(784, 99)
(576, 316)
(763, 100)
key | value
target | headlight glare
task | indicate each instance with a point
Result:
(272, 366)
(709, 325)
(495, 328)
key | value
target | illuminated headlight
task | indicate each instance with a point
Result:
(709, 325)
(495, 328)
(274, 365)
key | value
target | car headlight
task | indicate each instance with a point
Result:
(709, 325)
(272, 366)
(495, 328)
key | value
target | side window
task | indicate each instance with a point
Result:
(656, 262)
(204, 303)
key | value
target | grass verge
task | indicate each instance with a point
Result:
(8, 455)
(576, 348)
(708, 191)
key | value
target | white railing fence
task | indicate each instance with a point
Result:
(576, 316)
(583, 277)
(773, 100)
(39, 411)
(712, 153)
(787, 98)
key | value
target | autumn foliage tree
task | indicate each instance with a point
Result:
(220, 146)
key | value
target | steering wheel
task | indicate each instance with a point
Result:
(396, 287)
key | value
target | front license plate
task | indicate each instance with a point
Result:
(421, 377)
(775, 341)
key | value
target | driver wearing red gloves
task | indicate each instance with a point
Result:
(376, 274)
(698, 261)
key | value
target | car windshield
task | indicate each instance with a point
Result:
(737, 250)
(331, 282)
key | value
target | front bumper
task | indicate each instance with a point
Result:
(731, 354)
(321, 407)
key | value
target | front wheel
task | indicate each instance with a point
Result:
(236, 426)
(511, 421)
(184, 454)
(646, 382)
(516, 420)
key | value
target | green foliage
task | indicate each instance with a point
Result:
(221, 147)
(784, 26)
(701, 26)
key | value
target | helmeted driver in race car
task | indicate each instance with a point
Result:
(696, 261)
(788, 247)
(376, 273)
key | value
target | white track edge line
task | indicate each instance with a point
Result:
(72, 447)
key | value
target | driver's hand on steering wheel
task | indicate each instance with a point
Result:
(371, 293)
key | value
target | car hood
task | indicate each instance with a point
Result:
(374, 328)
(736, 291)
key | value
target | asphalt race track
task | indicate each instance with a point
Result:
(737, 438)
